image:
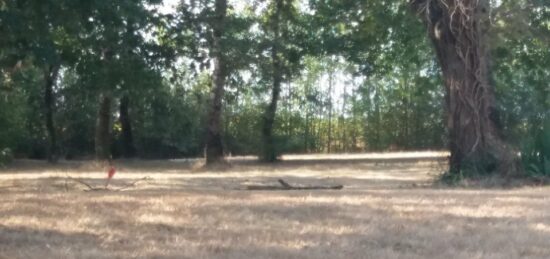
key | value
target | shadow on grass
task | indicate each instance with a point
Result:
(27, 242)
(388, 223)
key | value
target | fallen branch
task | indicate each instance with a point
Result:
(284, 186)
(133, 184)
(90, 187)
(94, 188)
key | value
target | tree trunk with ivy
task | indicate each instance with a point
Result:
(458, 31)
(214, 145)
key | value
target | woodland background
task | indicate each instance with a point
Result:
(84, 79)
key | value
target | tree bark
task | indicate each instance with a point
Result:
(214, 145)
(458, 30)
(50, 77)
(269, 153)
(128, 148)
(103, 128)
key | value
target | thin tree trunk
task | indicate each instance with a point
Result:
(354, 126)
(407, 101)
(458, 30)
(269, 152)
(343, 125)
(306, 131)
(320, 144)
(103, 128)
(288, 111)
(378, 121)
(128, 148)
(50, 77)
(330, 111)
(214, 145)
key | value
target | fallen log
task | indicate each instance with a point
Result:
(284, 186)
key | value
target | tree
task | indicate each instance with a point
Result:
(117, 58)
(103, 128)
(269, 153)
(50, 76)
(330, 104)
(43, 33)
(284, 35)
(214, 145)
(209, 35)
(128, 146)
(459, 30)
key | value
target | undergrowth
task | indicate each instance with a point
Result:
(535, 163)
(6, 156)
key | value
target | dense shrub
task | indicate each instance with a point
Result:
(536, 152)
(6, 156)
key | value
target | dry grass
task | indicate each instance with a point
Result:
(387, 210)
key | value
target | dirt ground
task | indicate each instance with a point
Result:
(387, 209)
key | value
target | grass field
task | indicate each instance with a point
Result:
(387, 209)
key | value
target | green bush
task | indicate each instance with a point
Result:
(6, 156)
(535, 154)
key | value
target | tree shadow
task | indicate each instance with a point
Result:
(199, 223)
(25, 242)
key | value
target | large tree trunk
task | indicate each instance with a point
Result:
(458, 30)
(269, 153)
(128, 148)
(50, 77)
(214, 146)
(103, 128)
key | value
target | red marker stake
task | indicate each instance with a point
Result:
(110, 173)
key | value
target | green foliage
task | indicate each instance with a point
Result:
(169, 122)
(12, 119)
(20, 114)
(474, 166)
(242, 129)
(6, 156)
(452, 178)
(387, 91)
(535, 154)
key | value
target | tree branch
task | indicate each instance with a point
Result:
(284, 186)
